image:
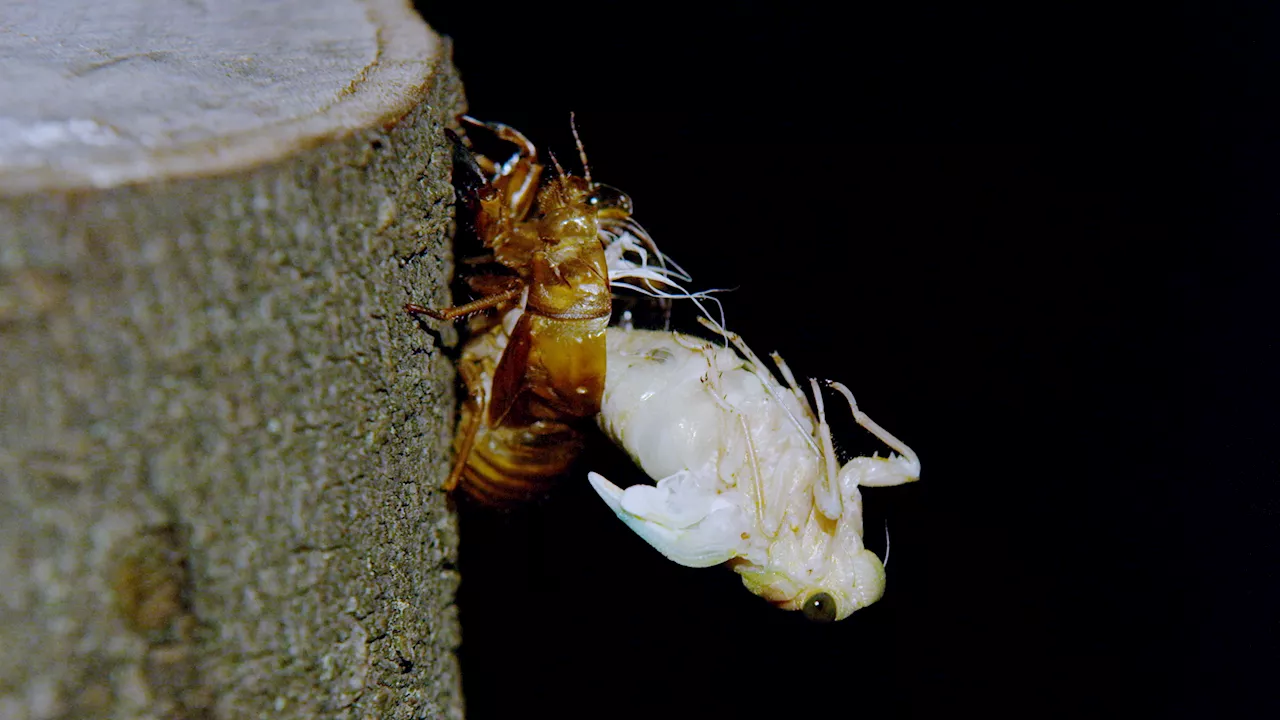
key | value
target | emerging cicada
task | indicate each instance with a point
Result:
(534, 367)
(746, 470)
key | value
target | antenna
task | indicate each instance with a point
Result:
(554, 161)
(582, 151)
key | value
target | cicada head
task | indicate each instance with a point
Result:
(849, 582)
(596, 203)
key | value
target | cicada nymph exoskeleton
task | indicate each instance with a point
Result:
(534, 366)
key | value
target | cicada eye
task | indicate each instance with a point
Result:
(820, 607)
(610, 202)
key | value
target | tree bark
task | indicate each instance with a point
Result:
(221, 439)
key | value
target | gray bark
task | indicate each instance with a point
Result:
(221, 440)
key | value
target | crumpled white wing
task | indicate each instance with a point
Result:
(690, 525)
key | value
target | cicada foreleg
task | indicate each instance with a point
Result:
(517, 178)
(874, 471)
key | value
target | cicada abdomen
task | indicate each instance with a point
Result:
(512, 459)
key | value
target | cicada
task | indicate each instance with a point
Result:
(534, 366)
(746, 471)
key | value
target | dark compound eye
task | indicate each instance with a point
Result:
(820, 607)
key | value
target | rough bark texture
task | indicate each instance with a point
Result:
(220, 437)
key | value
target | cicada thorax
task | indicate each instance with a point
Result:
(533, 384)
(556, 354)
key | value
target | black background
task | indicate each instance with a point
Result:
(1031, 241)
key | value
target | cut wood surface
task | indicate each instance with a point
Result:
(221, 439)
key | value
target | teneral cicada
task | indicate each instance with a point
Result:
(745, 468)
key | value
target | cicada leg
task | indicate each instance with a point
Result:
(498, 290)
(877, 471)
(470, 427)
(791, 383)
(825, 493)
(457, 311)
(517, 179)
(502, 131)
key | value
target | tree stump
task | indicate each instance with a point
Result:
(220, 437)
